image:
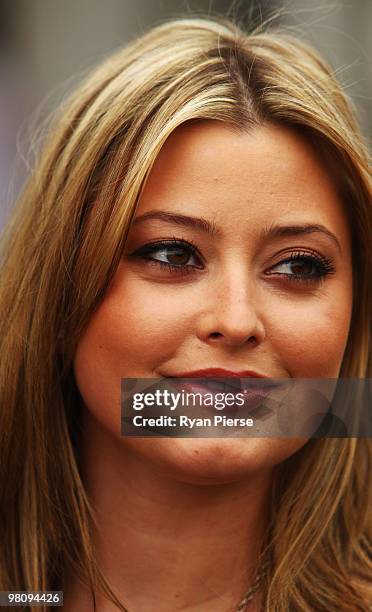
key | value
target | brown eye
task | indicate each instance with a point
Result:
(178, 256)
(302, 267)
(175, 255)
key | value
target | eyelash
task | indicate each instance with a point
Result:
(323, 265)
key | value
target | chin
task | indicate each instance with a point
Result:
(217, 460)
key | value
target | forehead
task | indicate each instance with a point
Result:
(241, 179)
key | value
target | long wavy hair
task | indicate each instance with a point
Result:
(61, 248)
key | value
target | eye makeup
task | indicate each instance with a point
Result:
(183, 257)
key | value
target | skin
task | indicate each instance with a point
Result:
(235, 309)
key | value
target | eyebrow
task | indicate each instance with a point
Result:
(177, 219)
(199, 223)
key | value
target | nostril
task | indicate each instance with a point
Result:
(215, 335)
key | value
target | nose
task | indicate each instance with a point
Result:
(231, 314)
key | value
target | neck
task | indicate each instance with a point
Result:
(165, 544)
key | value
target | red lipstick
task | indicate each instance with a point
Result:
(226, 381)
(219, 373)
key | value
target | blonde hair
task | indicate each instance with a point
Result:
(62, 247)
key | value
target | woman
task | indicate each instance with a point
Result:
(202, 202)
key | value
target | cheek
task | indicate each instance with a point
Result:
(133, 331)
(150, 323)
(310, 336)
(136, 326)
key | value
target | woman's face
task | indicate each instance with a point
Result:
(239, 257)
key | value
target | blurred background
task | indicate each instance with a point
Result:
(47, 46)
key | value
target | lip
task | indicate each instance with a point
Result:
(218, 373)
(231, 379)
(227, 381)
(252, 396)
